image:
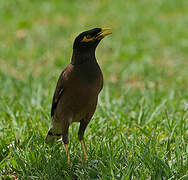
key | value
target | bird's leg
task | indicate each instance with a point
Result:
(84, 149)
(66, 141)
(83, 125)
(67, 152)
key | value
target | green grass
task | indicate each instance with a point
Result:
(140, 128)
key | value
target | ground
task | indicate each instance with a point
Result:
(140, 128)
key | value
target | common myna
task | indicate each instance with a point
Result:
(76, 94)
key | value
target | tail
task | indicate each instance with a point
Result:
(54, 133)
(51, 137)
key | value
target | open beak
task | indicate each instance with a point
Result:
(101, 34)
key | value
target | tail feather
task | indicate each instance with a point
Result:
(51, 137)
(54, 132)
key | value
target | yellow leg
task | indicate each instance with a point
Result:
(67, 152)
(84, 150)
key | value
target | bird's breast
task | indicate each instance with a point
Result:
(81, 93)
(89, 76)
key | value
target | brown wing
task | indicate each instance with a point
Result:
(58, 91)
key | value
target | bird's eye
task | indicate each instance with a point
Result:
(88, 36)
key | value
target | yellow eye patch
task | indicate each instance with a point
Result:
(85, 39)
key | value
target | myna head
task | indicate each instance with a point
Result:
(89, 40)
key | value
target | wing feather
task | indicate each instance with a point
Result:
(58, 92)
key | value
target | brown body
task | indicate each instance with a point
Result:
(76, 94)
(81, 86)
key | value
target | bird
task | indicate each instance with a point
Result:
(76, 93)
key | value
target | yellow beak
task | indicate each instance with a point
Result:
(101, 35)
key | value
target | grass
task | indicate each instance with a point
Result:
(140, 128)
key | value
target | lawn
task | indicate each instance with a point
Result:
(140, 127)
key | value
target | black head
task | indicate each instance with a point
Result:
(89, 39)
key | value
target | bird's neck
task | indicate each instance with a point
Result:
(80, 57)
